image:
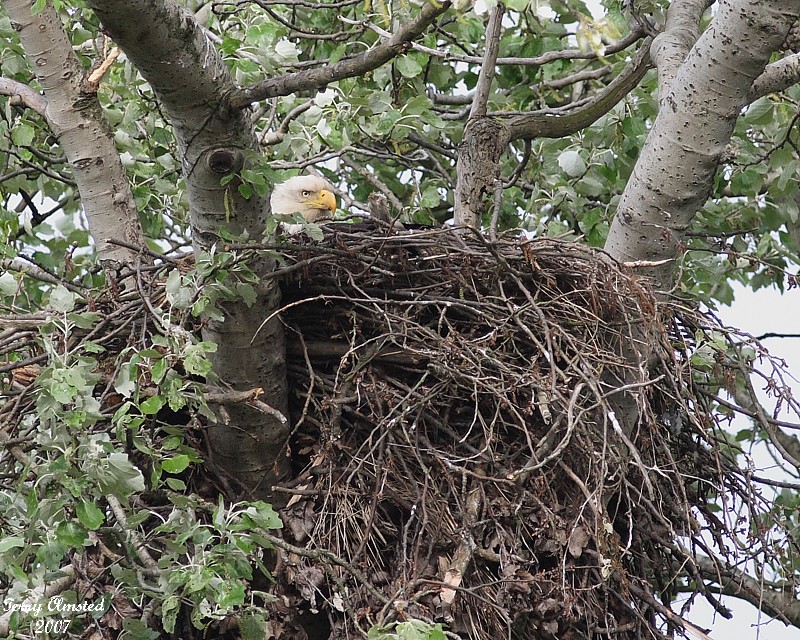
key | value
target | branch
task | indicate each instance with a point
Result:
(16, 264)
(541, 125)
(681, 31)
(174, 54)
(674, 174)
(484, 140)
(772, 334)
(277, 136)
(136, 541)
(93, 81)
(536, 61)
(484, 86)
(171, 50)
(313, 79)
(778, 76)
(787, 445)
(733, 582)
(370, 177)
(22, 94)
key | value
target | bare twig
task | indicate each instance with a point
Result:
(484, 86)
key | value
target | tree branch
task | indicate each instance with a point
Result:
(681, 31)
(547, 125)
(312, 79)
(515, 61)
(483, 88)
(675, 170)
(172, 51)
(788, 446)
(733, 582)
(75, 117)
(485, 139)
(22, 94)
(778, 76)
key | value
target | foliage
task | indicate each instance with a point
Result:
(93, 456)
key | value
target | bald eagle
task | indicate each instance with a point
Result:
(310, 196)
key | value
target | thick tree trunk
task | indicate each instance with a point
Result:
(76, 119)
(675, 171)
(192, 82)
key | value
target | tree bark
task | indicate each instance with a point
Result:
(674, 174)
(485, 138)
(191, 80)
(75, 117)
(478, 167)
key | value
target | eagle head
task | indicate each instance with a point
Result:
(310, 196)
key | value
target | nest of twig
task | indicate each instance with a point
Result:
(454, 400)
(457, 453)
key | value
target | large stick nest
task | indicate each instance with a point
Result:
(454, 399)
(506, 437)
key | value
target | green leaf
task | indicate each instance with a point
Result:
(89, 346)
(62, 299)
(159, 370)
(71, 533)
(314, 231)
(176, 464)
(84, 320)
(137, 630)
(176, 484)
(247, 293)
(419, 630)
(380, 633)
(263, 515)
(124, 384)
(417, 106)
(253, 626)
(90, 515)
(245, 190)
(169, 613)
(178, 296)
(121, 478)
(22, 135)
(408, 66)
(517, 5)
(8, 284)
(194, 358)
(760, 111)
(572, 163)
(11, 542)
(152, 405)
(233, 595)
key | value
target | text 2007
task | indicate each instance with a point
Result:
(50, 626)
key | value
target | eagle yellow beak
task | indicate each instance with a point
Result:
(324, 200)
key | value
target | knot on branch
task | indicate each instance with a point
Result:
(224, 161)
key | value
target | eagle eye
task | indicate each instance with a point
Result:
(305, 194)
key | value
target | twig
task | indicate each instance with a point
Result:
(483, 87)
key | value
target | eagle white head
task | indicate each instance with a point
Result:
(310, 196)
